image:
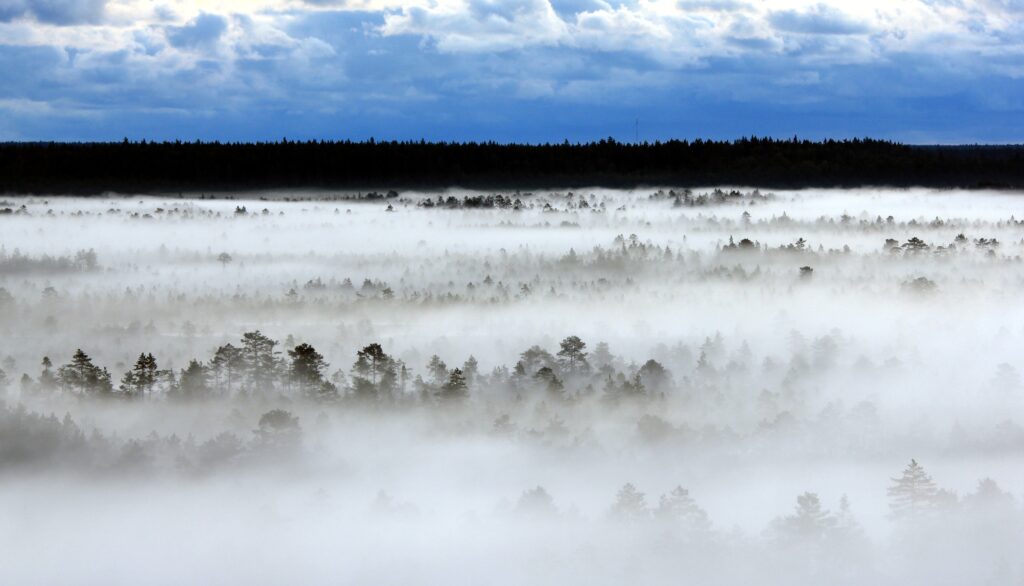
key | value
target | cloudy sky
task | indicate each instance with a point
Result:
(524, 70)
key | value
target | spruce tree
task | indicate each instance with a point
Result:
(630, 504)
(679, 506)
(141, 379)
(808, 521)
(913, 494)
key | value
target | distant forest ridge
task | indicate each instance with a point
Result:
(162, 167)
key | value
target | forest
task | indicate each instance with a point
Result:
(386, 385)
(171, 167)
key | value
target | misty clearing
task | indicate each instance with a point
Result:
(654, 386)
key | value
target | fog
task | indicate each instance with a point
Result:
(716, 386)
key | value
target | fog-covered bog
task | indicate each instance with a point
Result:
(654, 386)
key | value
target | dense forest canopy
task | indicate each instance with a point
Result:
(151, 167)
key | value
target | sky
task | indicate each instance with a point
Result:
(917, 71)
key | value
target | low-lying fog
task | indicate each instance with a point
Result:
(595, 387)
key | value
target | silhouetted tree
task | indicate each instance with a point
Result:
(47, 381)
(260, 361)
(549, 381)
(82, 377)
(47, 167)
(141, 379)
(654, 377)
(915, 245)
(535, 358)
(278, 428)
(227, 364)
(194, 382)
(26, 384)
(307, 369)
(373, 375)
(573, 356)
(455, 388)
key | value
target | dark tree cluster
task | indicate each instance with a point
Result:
(178, 166)
(256, 368)
(16, 262)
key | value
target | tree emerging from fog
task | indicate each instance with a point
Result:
(576, 386)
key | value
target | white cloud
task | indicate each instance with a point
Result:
(58, 12)
(481, 25)
(201, 54)
(685, 31)
(675, 32)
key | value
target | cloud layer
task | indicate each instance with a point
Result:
(916, 70)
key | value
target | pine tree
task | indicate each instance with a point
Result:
(549, 381)
(455, 388)
(536, 503)
(194, 382)
(654, 376)
(141, 379)
(573, 358)
(26, 384)
(846, 526)
(471, 370)
(679, 506)
(630, 504)
(47, 382)
(438, 370)
(913, 494)
(602, 357)
(227, 364)
(808, 521)
(74, 376)
(82, 377)
(374, 375)
(307, 369)
(534, 358)
(633, 388)
(279, 429)
(261, 362)
(307, 372)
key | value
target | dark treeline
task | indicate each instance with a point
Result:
(256, 368)
(144, 167)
